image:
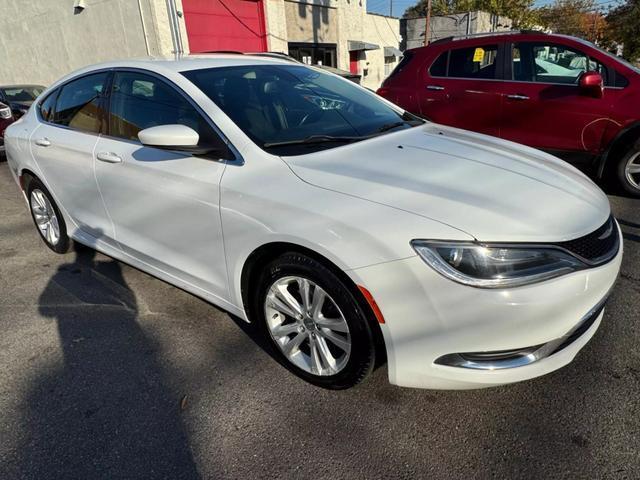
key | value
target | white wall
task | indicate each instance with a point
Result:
(43, 40)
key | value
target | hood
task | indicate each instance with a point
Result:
(492, 189)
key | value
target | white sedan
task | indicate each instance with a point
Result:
(350, 231)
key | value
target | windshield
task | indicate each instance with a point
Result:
(22, 93)
(292, 109)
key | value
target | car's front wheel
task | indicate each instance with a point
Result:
(628, 171)
(316, 326)
(47, 217)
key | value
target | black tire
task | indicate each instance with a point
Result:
(361, 358)
(621, 171)
(63, 243)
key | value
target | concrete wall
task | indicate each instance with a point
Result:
(45, 39)
(276, 25)
(311, 23)
(441, 26)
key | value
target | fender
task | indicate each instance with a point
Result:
(619, 140)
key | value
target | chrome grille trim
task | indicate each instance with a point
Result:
(503, 359)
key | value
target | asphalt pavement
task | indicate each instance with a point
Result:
(108, 373)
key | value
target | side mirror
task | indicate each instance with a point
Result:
(182, 139)
(170, 137)
(591, 84)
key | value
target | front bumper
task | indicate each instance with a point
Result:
(428, 317)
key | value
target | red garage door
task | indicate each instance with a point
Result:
(225, 25)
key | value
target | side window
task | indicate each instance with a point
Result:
(47, 107)
(439, 67)
(621, 81)
(79, 103)
(473, 62)
(140, 101)
(551, 63)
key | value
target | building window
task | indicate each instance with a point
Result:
(389, 63)
(314, 53)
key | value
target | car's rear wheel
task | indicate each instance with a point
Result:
(316, 327)
(628, 171)
(47, 217)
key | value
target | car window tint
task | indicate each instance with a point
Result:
(439, 67)
(47, 107)
(552, 63)
(79, 103)
(140, 101)
(407, 56)
(620, 80)
(283, 103)
(473, 62)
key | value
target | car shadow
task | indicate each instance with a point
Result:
(104, 410)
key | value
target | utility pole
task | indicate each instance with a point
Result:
(391, 8)
(427, 30)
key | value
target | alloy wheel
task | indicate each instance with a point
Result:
(307, 326)
(632, 170)
(45, 216)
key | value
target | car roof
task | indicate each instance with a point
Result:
(474, 39)
(193, 62)
(22, 85)
(179, 63)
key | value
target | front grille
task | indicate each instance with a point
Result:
(597, 247)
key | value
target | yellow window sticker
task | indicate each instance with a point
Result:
(478, 55)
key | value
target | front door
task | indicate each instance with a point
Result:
(63, 147)
(164, 205)
(462, 89)
(543, 106)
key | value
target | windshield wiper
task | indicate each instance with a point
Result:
(391, 126)
(313, 139)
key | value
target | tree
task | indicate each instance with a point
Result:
(624, 25)
(519, 11)
(569, 17)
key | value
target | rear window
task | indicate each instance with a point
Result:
(406, 59)
(439, 67)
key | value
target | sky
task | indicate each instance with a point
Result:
(399, 6)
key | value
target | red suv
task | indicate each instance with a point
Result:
(552, 92)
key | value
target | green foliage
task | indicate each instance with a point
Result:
(520, 11)
(566, 16)
(624, 25)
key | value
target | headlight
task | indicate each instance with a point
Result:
(5, 113)
(496, 266)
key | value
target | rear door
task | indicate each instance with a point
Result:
(462, 88)
(164, 204)
(72, 118)
(543, 106)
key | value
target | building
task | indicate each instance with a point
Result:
(43, 40)
(441, 26)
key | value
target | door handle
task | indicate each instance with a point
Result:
(517, 96)
(43, 142)
(109, 157)
(435, 87)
